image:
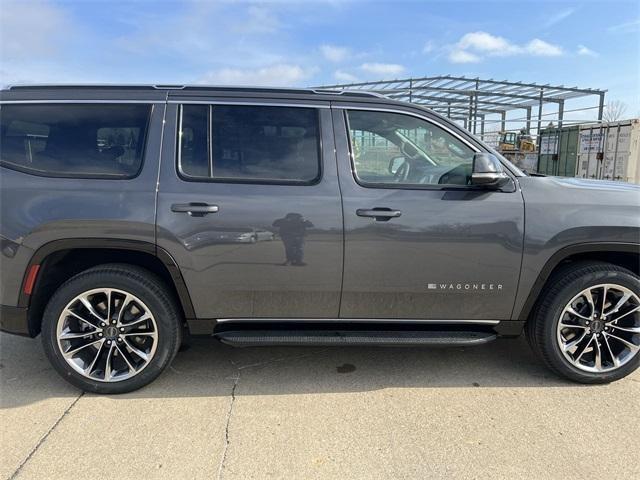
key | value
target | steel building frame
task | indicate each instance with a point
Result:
(471, 100)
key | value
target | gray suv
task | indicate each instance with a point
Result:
(132, 217)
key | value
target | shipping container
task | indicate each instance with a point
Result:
(558, 151)
(609, 151)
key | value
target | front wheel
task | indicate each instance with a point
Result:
(587, 325)
(111, 329)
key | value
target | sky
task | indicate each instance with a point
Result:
(593, 44)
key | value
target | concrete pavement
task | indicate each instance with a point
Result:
(484, 412)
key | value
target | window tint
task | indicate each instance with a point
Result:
(230, 142)
(91, 140)
(391, 148)
(194, 154)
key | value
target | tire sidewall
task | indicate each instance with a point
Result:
(165, 317)
(557, 306)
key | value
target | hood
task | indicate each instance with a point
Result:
(589, 184)
(569, 192)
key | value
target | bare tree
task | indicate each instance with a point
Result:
(613, 111)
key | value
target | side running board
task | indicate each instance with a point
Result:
(251, 338)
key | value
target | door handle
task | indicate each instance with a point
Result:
(195, 209)
(380, 214)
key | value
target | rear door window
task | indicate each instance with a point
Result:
(74, 140)
(249, 143)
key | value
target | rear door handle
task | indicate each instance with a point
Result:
(195, 209)
(380, 214)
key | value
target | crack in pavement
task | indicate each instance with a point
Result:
(232, 401)
(44, 437)
(223, 458)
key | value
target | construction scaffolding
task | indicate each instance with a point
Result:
(475, 102)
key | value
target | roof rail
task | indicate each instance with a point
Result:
(354, 92)
(316, 91)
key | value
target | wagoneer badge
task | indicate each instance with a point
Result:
(464, 286)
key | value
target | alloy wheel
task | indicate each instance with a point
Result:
(106, 334)
(599, 329)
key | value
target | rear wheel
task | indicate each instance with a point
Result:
(111, 329)
(587, 326)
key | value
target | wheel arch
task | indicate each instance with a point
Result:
(626, 255)
(61, 259)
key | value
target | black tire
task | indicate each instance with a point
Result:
(146, 286)
(541, 329)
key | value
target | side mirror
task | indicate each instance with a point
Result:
(394, 164)
(487, 171)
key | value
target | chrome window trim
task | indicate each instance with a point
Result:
(377, 108)
(264, 103)
(179, 138)
(251, 181)
(146, 102)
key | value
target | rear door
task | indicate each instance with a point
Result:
(420, 243)
(249, 206)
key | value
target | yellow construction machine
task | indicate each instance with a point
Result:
(519, 148)
(519, 142)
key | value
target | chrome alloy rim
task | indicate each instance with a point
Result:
(599, 329)
(107, 335)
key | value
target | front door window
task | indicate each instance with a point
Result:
(389, 148)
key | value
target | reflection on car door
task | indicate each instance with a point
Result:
(251, 212)
(419, 244)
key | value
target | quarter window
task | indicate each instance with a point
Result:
(249, 143)
(91, 140)
(394, 149)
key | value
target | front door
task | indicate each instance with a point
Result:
(419, 242)
(249, 207)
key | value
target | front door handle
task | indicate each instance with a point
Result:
(380, 214)
(195, 209)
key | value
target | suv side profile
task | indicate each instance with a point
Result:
(134, 216)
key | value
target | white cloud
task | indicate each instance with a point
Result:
(586, 51)
(281, 75)
(462, 56)
(485, 42)
(383, 68)
(344, 77)
(542, 49)
(473, 47)
(558, 17)
(334, 53)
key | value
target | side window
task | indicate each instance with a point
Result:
(90, 140)
(391, 148)
(249, 143)
(194, 141)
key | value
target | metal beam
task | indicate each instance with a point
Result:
(473, 97)
(449, 78)
(461, 92)
(601, 107)
(540, 114)
(452, 101)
